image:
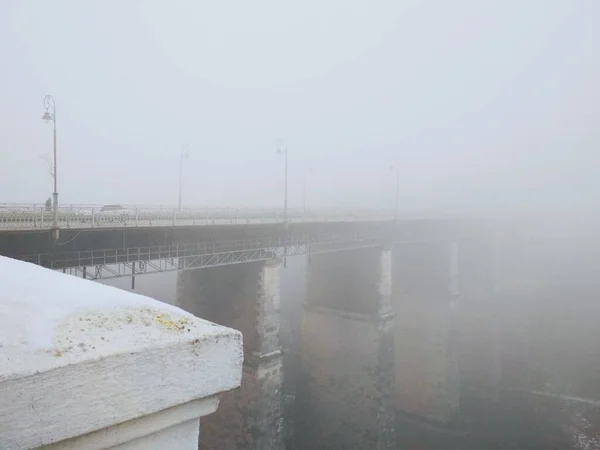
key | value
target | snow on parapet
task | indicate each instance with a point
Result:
(50, 319)
(80, 338)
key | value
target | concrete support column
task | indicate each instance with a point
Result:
(345, 396)
(425, 300)
(244, 297)
(479, 327)
(516, 281)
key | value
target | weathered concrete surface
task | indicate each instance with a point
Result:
(87, 366)
(246, 297)
(425, 302)
(345, 395)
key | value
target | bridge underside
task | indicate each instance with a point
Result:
(17, 243)
(38, 246)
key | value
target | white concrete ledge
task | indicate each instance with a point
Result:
(137, 429)
(77, 357)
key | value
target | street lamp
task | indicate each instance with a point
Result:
(307, 171)
(283, 150)
(185, 153)
(50, 115)
(397, 208)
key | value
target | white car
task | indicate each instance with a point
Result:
(114, 213)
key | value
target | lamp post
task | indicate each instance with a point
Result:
(50, 115)
(397, 206)
(307, 171)
(185, 153)
(283, 150)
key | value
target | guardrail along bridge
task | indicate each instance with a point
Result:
(134, 240)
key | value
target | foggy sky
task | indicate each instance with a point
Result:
(480, 103)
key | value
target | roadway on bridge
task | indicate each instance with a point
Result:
(37, 217)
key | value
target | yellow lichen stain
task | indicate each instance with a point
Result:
(167, 322)
(143, 316)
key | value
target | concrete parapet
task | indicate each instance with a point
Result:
(87, 366)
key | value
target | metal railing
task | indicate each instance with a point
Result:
(38, 217)
(113, 263)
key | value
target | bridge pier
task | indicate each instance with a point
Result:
(479, 327)
(244, 297)
(425, 300)
(346, 388)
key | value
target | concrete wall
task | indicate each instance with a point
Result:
(425, 300)
(245, 297)
(345, 396)
(87, 366)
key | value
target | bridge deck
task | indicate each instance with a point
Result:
(23, 217)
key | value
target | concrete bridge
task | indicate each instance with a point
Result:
(396, 320)
(38, 217)
(95, 239)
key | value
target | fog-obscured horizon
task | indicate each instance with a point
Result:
(478, 104)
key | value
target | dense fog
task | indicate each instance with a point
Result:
(476, 110)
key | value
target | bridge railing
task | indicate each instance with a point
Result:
(111, 263)
(35, 216)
